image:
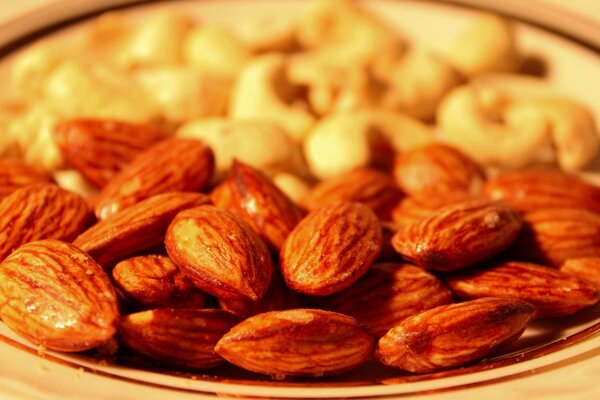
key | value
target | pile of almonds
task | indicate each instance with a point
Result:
(425, 266)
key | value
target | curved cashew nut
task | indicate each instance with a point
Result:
(292, 185)
(261, 92)
(344, 141)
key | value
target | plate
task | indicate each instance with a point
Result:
(555, 357)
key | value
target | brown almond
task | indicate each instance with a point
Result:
(459, 235)
(331, 249)
(587, 269)
(220, 253)
(15, 174)
(173, 165)
(453, 335)
(300, 342)
(554, 293)
(422, 205)
(55, 295)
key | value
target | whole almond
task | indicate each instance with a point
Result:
(437, 168)
(220, 253)
(153, 281)
(587, 269)
(15, 174)
(552, 236)
(422, 205)
(254, 198)
(331, 249)
(458, 236)
(300, 342)
(389, 293)
(99, 148)
(364, 185)
(452, 335)
(173, 165)
(533, 190)
(181, 338)
(41, 211)
(137, 228)
(55, 295)
(554, 293)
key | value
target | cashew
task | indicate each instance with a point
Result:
(344, 141)
(292, 185)
(260, 143)
(72, 180)
(262, 91)
(487, 45)
(30, 69)
(266, 34)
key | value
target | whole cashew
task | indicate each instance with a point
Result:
(30, 69)
(292, 185)
(262, 91)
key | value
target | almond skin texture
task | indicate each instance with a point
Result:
(173, 165)
(552, 236)
(554, 293)
(255, 199)
(587, 269)
(437, 168)
(180, 338)
(153, 281)
(41, 211)
(365, 185)
(99, 148)
(458, 236)
(55, 295)
(388, 294)
(15, 174)
(422, 205)
(453, 335)
(532, 190)
(137, 228)
(220, 253)
(300, 342)
(331, 249)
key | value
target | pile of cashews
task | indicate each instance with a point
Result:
(303, 100)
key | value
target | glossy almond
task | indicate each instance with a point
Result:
(15, 174)
(254, 198)
(331, 249)
(587, 269)
(533, 190)
(137, 228)
(55, 295)
(220, 253)
(458, 236)
(99, 148)
(388, 294)
(153, 281)
(422, 205)
(181, 338)
(173, 165)
(41, 211)
(437, 168)
(453, 335)
(554, 293)
(364, 185)
(300, 342)
(552, 236)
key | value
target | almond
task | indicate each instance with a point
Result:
(153, 281)
(425, 204)
(172, 165)
(554, 293)
(254, 198)
(300, 342)
(181, 338)
(533, 190)
(100, 148)
(364, 185)
(452, 335)
(552, 236)
(41, 211)
(458, 236)
(587, 269)
(137, 228)
(220, 253)
(331, 249)
(15, 174)
(388, 294)
(437, 168)
(55, 295)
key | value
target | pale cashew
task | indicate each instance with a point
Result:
(344, 141)
(30, 69)
(260, 143)
(72, 180)
(262, 91)
(8, 143)
(292, 185)
(266, 34)
(487, 45)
